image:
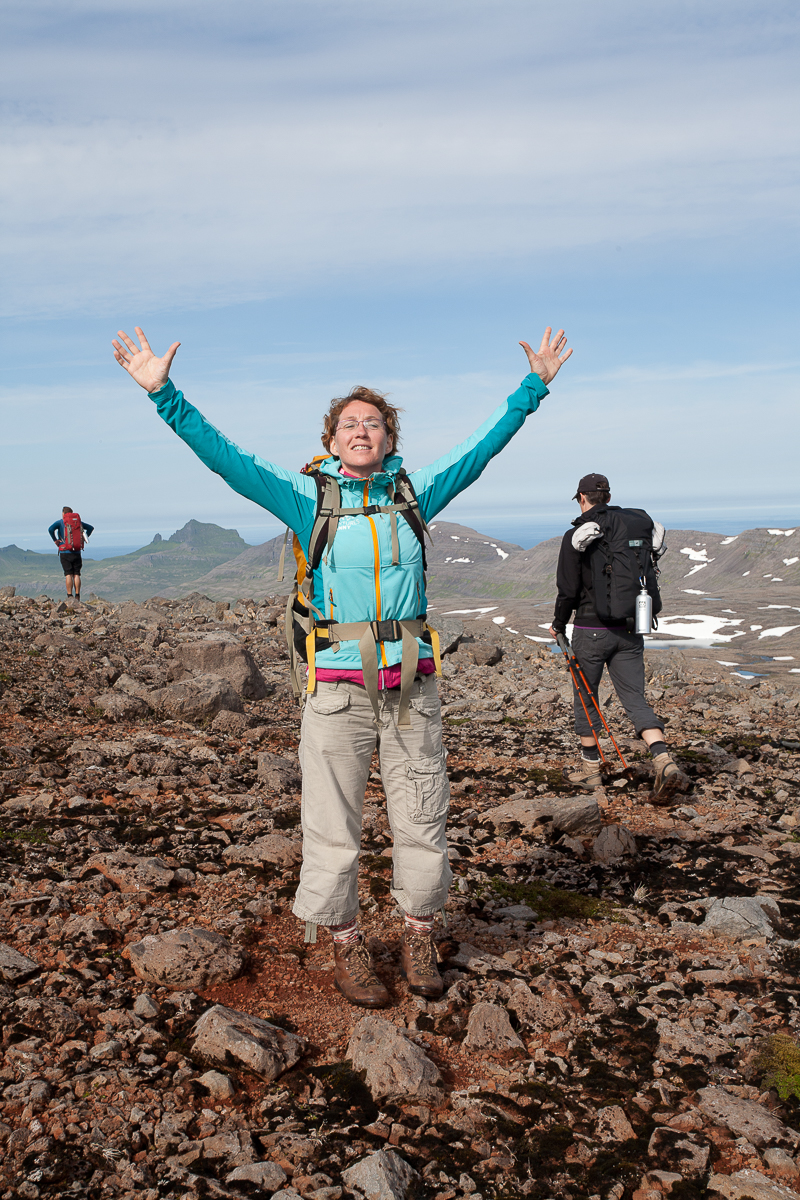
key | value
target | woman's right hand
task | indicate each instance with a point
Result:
(551, 357)
(150, 372)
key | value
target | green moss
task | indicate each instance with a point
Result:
(779, 1065)
(692, 755)
(554, 779)
(34, 837)
(552, 902)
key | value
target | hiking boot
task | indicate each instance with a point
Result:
(668, 777)
(419, 965)
(355, 976)
(587, 776)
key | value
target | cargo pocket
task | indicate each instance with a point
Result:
(326, 703)
(427, 705)
(428, 789)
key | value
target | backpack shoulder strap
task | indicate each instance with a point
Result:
(329, 503)
(411, 511)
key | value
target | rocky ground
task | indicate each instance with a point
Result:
(620, 1018)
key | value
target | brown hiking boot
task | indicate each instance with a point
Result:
(355, 976)
(668, 778)
(587, 776)
(419, 965)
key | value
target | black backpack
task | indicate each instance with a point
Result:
(620, 559)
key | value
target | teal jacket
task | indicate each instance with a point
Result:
(356, 581)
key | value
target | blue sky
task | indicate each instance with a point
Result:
(314, 194)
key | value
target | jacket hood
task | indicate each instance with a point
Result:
(391, 465)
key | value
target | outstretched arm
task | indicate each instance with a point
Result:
(150, 372)
(290, 496)
(442, 481)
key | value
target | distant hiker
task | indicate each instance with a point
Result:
(604, 602)
(68, 535)
(370, 655)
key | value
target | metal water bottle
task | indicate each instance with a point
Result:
(644, 610)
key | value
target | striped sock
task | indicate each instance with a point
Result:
(345, 935)
(421, 925)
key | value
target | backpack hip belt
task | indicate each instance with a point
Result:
(369, 634)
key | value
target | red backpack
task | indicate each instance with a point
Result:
(73, 532)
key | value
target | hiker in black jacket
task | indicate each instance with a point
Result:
(600, 642)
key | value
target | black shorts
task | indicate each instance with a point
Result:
(71, 561)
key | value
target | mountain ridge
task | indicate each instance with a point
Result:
(462, 562)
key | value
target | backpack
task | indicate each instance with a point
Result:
(73, 532)
(622, 557)
(306, 627)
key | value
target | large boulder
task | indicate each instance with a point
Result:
(219, 656)
(279, 773)
(613, 844)
(675, 1044)
(132, 687)
(185, 958)
(748, 1185)
(229, 1038)
(548, 1011)
(131, 874)
(266, 1176)
(15, 967)
(577, 816)
(742, 916)
(395, 1067)
(198, 698)
(383, 1175)
(270, 850)
(120, 706)
(85, 930)
(480, 962)
(613, 1125)
(489, 1028)
(744, 1118)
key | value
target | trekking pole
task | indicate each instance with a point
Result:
(564, 643)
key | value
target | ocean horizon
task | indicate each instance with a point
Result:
(519, 530)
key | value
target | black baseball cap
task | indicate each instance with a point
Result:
(592, 483)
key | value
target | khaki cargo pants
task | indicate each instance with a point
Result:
(339, 735)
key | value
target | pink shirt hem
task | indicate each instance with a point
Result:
(388, 677)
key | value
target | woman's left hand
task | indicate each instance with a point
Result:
(548, 361)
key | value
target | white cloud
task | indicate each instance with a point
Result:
(390, 139)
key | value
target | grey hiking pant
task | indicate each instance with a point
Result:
(623, 654)
(339, 735)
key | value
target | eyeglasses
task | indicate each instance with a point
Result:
(370, 423)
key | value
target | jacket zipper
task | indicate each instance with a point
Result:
(376, 550)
